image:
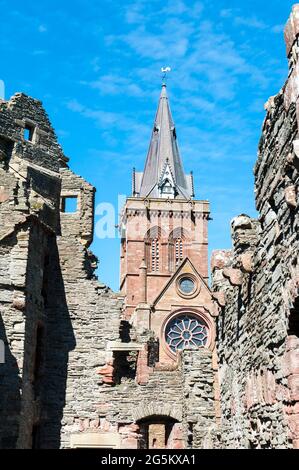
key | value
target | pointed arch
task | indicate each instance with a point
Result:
(153, 249)
(177, 247)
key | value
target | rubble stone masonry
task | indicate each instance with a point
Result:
(258, 327)
(55, 317)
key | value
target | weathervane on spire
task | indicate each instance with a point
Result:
(165, 71)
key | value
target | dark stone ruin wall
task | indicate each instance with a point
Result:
(257, 331)
(88, 315)
(54, 314)
(29, 212)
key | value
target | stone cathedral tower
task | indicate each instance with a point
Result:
(164, 253)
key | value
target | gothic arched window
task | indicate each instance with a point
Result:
(155, 255)
(153, 249)
(178, 251)
(176, 248)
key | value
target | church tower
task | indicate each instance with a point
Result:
(164, 248)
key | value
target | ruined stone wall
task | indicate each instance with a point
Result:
(257, 335)
(55, 317)
(82, 315)
(199, 412)
(29, 212)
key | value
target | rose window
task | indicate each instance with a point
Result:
(186, 331)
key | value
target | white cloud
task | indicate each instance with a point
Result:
(172, 42)
(226, 12)
(250, 22)
(133, 13)
(211, 74)
(175, 7)
(62, 133)
(199, 103)
(278, 28)
(136, 134)
(139, 12)
(39, 52)
(100, 117)
(42, 28)
(95, 63)
(199, 53)
(114, 84)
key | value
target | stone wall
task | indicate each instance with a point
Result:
(199, 412)
(257, 335)
(29, 215)
(55, 317)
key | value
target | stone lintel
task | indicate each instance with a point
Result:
(119, 346)
(95, 440)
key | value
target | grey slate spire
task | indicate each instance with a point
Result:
(163, 174)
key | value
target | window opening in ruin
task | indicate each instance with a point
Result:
(124, 367)
(38, 361)
(69, 204)
(6, 148)
(28, 132)
(294, 320)
(35, 436)
(124, 331)
(190, 435)
(153, 352)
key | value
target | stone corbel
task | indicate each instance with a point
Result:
(220, 298)
(4, 195)
(235, 276)
(246, 262)
(19, 302)
(290, 195)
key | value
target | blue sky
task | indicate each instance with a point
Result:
(96, 67)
